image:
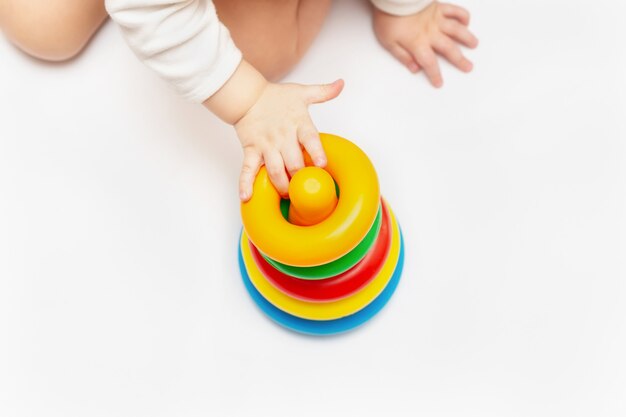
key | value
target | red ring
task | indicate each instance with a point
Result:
(337, 287)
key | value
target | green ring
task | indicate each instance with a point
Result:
(337, 266)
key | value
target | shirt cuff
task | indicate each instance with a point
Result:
(401, 8)
(216, 78)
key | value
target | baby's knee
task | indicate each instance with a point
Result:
(45, 30)
(273, 35)
(278, 67)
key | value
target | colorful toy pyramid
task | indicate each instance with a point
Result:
(329, 258)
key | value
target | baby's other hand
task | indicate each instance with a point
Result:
(416, 39)
(276, 128)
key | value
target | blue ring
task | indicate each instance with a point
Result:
(327, 327)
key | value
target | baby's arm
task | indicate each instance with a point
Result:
(414, 31)
(185, 43)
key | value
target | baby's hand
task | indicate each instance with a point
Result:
(276, 128)
(415, 39)
(273, 124)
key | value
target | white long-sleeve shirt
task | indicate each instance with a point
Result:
(184, 42)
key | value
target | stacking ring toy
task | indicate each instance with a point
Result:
(323, 311)
(333, 237)
(329, 257)
(338, 266)
(328, 327)
(339, 286)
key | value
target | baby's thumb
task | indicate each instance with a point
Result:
(323, 92)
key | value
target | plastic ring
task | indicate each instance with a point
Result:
(335, 236)
(323, 311)
(338, 266)
(329, 327)
(337, 287)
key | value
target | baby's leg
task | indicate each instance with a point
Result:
(273, 34)
(53, 30)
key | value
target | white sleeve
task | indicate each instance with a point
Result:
(183, 41)
(401, 7)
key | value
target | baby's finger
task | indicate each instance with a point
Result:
(276, 171)
(426, 58)
(405, 57)
(251, 163)
(310, 139)
(447, 48)
(292, 155)
(459, 32)
(455, 12)
(320, 93)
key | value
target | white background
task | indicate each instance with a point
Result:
(119, 288)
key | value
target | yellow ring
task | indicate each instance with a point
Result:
(335, 236)
(334, 309)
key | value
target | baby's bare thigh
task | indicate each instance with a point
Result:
(273, 34)
(53, 30)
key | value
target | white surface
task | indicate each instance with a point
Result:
(119, 289)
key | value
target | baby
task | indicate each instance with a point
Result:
(231, 64)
